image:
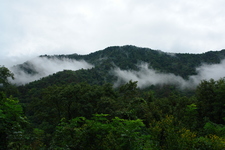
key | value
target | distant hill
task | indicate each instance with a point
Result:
(126, 58)
(133, 98)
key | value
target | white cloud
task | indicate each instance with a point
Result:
(147, 77)
(207, 72)
(44, 67)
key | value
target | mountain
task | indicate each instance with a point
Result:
(122, 58)
(127, 57)
(169, 107)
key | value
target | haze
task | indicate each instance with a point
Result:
(38, 27)
(147, 76)
(44, 67)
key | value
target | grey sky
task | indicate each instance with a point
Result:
(29, 28)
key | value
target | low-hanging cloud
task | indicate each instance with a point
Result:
(147, 77)
(43, 66)
(209, 71)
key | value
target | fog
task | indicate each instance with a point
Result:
(207, 72)
(44, 67)
(147, 76)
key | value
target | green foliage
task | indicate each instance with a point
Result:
(190, 117)
(211, 128)
(134, 115)
(4, 74)
(12, 123)
(211, 142)
(101, 133)
(125, 57)
(169, 134)
(211, 99)
(5, 86)
(81, 109)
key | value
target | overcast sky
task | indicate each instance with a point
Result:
(29, 28)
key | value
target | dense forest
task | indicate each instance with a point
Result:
(84, 110)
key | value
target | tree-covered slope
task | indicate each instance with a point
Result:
(61, 112)
(125, 58)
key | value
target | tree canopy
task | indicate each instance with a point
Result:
(83, 110)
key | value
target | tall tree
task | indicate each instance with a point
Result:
(5, 73)
(12, 123)
(211, 100)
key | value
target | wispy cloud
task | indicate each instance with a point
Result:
(44, 67)
(207, 71)
(146, 76)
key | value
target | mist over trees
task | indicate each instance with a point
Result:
(151, 67)
(95, 108)
(43, 66)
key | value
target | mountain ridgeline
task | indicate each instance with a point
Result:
(125, 58)
(117, 98)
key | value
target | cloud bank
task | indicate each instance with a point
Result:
(44, 67)
(147, 77)
(32, 28)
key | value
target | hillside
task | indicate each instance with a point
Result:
(90, 102)
(125, 58)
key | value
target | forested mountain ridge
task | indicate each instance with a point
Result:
(83, 110)
(126, 58)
